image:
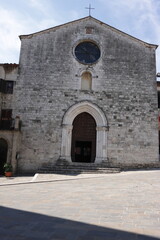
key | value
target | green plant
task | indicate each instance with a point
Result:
(7, 167)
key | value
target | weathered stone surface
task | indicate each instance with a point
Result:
(123, 88)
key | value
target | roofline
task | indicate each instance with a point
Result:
(49, 29)
(98, 21)
(9, 64)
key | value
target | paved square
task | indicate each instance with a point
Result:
(82, 207)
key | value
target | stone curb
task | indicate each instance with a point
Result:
(33, 180)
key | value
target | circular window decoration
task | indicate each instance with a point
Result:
(87, 52)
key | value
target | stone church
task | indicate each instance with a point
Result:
(83, 92)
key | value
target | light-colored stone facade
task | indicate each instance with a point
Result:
(10, 134)
(122, 98)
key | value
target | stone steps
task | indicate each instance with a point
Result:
(75, 168)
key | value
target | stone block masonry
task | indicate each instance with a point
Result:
(123, 89)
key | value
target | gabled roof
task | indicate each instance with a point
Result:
(84, 19)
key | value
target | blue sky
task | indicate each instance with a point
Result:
(139, 18)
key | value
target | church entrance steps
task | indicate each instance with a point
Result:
(77, 168)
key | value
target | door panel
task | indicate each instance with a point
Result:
(83, 150)
(83, 138)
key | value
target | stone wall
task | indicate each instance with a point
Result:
(123, 87)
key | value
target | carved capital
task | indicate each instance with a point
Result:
(102, 128)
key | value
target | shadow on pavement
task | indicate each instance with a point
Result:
(22, 225)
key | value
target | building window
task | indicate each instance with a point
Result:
(86, 81)
(6, 114)
(87, 52)
(9, 87)
(6, 86)
(6, 119)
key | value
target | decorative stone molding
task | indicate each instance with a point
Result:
(103, 128)
(101, 123)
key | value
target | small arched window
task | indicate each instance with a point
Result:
(86, 81)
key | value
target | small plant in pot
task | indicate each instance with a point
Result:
(8, 169)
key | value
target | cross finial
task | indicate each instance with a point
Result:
(90, 8)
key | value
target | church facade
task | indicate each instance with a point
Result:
(85, 92)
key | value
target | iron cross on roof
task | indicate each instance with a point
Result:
(90, 8)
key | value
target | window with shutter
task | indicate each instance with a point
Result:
(6, 86)
(6, 114)
(6, 122)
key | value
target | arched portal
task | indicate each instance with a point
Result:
(101, 130)
(3, 154)
(83, 138)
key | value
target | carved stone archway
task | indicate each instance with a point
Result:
(101, 128)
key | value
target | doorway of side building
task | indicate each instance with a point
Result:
(3, 154)
(83, 138)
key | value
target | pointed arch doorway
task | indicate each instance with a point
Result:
(101, 131)
(3, 154)
(83, 138)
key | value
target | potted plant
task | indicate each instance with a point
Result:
(8, 169)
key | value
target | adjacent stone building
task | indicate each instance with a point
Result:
(86, 92)
(9, 126)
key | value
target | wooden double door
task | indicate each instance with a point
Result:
(83, 138)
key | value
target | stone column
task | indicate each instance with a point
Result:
(101, 144)
(66, 142)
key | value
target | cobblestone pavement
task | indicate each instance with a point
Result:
(123, 206)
